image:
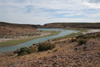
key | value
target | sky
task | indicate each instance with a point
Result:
(49, 11)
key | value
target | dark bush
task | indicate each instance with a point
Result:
(98, 35)
(45, 46)
(31, 50)
(82, 41)
(84, 48)
(23, 53)
(73, 40)
(80, 36)
(75, 49)
(25, 50)
(16, 51)
(86, 37)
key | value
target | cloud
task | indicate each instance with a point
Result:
(93, 1)
(44, 11)
(94, 4)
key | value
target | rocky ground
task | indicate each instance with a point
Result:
(64, 55)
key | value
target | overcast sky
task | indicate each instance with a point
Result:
(48, 11)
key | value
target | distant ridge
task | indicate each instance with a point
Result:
(92, 25)
(72, 25)
(19, 25)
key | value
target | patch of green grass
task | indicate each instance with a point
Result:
(72, 35)
(81, 30)
(52, 32)
(45, 46)
(15, 42)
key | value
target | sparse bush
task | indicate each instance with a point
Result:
(84, 48)
(82, 41)
(25, 51)
(73, 40)
(98, 35)
(45, 46)
(49, 51)
(55, 50)
(31, 50)
(81, 36)
(85, 37)
(75, 49)
(16, 51)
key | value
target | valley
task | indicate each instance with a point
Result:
(78, 49)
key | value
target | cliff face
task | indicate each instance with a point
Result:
(72, 25)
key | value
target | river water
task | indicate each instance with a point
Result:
(29, 43)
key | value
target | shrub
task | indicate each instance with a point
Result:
(45, 46)
(98, 35)
(80, 36)
(31, 50)
(86, 37)
(25, 50)
(82, 41)
(49, 51)
(73, 40)
(75, 49)
(23, 53)
(16, 51)
(84, 48)
(55, 50)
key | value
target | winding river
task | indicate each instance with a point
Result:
(29, 43)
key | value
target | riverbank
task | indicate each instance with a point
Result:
(14, 41)
(72, 35)
(80, 32)
(38, 40)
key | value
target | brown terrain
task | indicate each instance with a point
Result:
(65, 54)
(8, 28)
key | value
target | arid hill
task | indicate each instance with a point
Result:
(72, 25)
(11, 29)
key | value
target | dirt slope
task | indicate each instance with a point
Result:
(8, 29)
(64, 55)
